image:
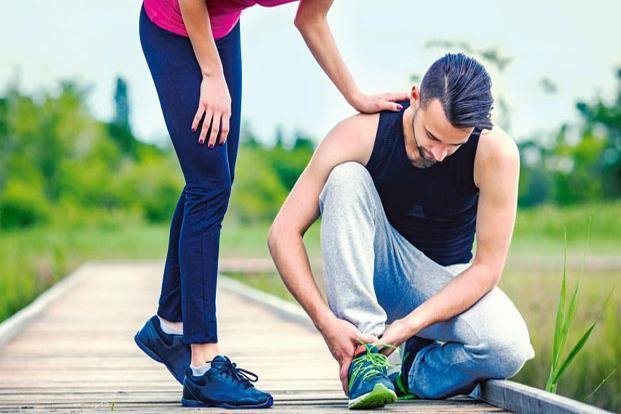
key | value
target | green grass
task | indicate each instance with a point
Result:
(33, 260)
(535, 293)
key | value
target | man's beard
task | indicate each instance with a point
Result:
(423, 162)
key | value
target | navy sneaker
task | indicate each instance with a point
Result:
(224, 385)
(165, 348)
(400, 379)
(369, 385)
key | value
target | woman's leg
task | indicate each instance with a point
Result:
(207, 172)
(170, 297)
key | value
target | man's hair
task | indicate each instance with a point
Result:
(463, 87)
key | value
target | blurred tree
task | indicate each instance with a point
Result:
(535, 185)
(57, 158)
(279, 137)
(121, 104)
(602, 122)
(248, 137)
(119, 128)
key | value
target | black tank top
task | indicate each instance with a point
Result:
(434, 208)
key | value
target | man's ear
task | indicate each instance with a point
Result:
(414, 95)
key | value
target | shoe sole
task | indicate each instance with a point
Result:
(377, 397)
(154, 357)
(407, 397)
(194, 403)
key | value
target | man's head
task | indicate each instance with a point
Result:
(454, 98)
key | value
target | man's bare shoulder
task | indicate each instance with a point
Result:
(352, 139)
(496, 150)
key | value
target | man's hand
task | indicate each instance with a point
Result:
(342, 338)
(397, 333)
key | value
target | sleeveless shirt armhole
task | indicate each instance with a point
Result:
(373, 159)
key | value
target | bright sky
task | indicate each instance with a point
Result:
(572, 42)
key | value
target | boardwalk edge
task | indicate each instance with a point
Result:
(521, 398)
(18, 321)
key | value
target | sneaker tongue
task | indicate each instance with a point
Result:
(220, 358)
(362, 349)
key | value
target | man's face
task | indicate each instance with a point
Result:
(434, 135)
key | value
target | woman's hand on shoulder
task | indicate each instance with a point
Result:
(369, 104)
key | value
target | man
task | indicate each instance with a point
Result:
(401, 197)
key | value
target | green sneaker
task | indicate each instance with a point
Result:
(400, 387)
(369, 385)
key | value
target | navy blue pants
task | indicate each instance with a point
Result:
(189, 283)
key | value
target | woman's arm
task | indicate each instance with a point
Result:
(311, 21)
(215, 101)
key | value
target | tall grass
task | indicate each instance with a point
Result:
(564, 318)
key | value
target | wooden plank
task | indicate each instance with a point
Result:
(15, 324)
(521, 398)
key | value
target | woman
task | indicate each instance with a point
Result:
(192, 48)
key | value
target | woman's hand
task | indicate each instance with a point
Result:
(214, 108)
(370, 104)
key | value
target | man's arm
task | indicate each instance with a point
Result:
(350, 140)
(496, 174)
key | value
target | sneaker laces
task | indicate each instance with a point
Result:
(243, 376)
(377, 364)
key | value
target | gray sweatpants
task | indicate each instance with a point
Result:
(373, 276)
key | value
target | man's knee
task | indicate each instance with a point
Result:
(346, 181)
(504, 356)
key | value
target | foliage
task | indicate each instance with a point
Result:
(580, 163)
(57, 158)
(264, 175)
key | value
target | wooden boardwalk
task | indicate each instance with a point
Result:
(78, 354)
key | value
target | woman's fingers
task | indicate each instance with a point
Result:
(387, 102)
(224, 130)
(206, 126)
(215, 128)
(197, 118)
(397, 96)
(393, 106)
(216, 125)
(390, 101)
(387, 105)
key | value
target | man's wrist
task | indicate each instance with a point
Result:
(323, 319)
(412, 324)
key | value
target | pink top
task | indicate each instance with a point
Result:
(223, 14)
